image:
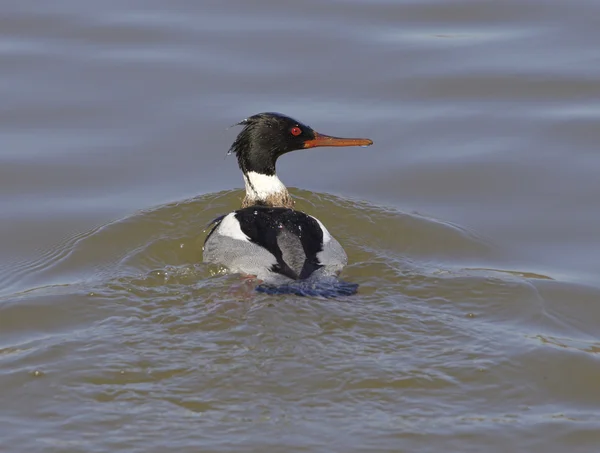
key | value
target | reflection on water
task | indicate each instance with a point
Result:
(471, 227)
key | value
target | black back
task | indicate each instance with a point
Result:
(265, 226)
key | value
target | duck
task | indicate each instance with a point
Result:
(286, 250)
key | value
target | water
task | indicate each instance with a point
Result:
(471, 226)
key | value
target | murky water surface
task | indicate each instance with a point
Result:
(472, 226)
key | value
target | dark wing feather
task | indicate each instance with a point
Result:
(269, 227)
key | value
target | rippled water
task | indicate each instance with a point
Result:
(472, 226)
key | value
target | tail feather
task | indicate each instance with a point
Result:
(329, 287)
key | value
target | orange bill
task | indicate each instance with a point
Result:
(326, 140)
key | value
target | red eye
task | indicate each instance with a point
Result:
(296, 131)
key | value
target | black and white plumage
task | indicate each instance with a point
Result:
(277, 245)
(288, 250)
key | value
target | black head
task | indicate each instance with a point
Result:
(266, 136)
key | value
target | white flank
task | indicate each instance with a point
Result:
(259, 186)
(326, 235)
(231, 227)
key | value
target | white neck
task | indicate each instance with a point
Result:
(261, 187)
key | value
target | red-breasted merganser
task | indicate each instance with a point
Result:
(267, 238)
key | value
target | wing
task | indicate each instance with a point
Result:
(332, 255)
(227, 245)
(262, 241)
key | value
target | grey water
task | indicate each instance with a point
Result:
(472, 226)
